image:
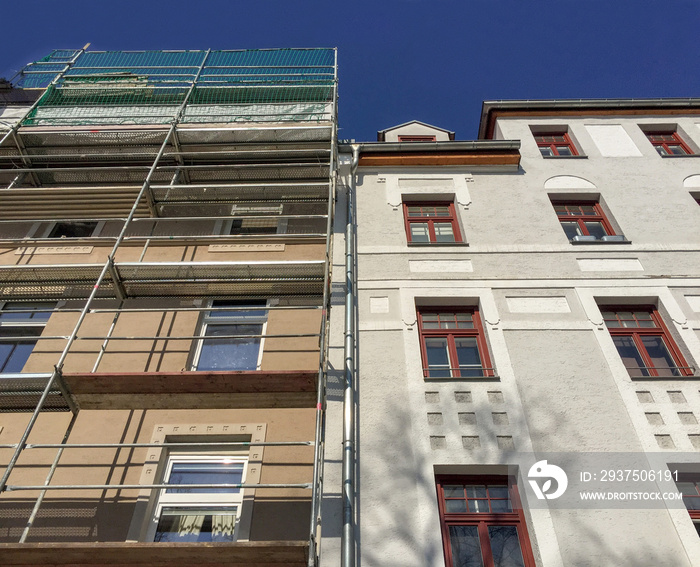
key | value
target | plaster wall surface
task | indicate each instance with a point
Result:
(561, 385)
(130, 349)
(416, 129)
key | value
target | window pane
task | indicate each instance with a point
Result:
(596, 229)
(456, 506)
(505, 546)
(468, 357)
(630, 356)
(443, 232)
(500, 506)
(479, 506)
(476, 491)
(687, 488)
(230, 353)
(466, 549)
(546, 151)
(677, 150)
(205, 473)
(5, 354)
(660, 356)
(196, 525)
(627, 319)
(610, 319)
(498, 492)
(442, 211)
(453, 491)
(18, 357)
(251, 313)
(564, 150)
(14, 354)
(430, 321)
(9, 311)
(438, 358)
(448, 321)
(419, 232)
(571, 229)
(465, 320)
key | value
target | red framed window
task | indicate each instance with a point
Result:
(582, 218)
(668, 144)
(689, 486)
(453, 344)
(553, 144)
(482, 522)
(417, 139)
(644, 343)
(431, 222)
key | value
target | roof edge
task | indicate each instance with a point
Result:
(409, 147)
(490, 106)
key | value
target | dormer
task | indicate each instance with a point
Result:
(415, 131)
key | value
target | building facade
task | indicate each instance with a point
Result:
(529, 296)
(164, 282)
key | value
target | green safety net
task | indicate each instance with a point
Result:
(111, 82)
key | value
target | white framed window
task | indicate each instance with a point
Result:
(199, 514)
(21, 323)
(231, 334)
(256, 219)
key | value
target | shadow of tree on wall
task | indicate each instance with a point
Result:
(392, 490)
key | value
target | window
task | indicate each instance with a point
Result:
(232, 331)
(453, 344)
(644, 343)
(20, 324)
(553, 144)
(72, 229)
(668, 143)
(255, 219)
(417, 139)
(204, 514)
(689, 485)
(431, 222)
(254, 226)
(582, 218)
(482, 522)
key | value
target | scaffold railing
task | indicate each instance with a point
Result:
(164, 100)
(146, 87)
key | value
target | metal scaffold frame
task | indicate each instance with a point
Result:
(220, 82)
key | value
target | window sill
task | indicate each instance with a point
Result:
(565, 157)
(603, 242)
(434, 244)
(664, 378)
(465, 379)
(680, 156)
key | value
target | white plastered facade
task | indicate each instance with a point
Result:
(560, 380)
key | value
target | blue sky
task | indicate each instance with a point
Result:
(430, 60)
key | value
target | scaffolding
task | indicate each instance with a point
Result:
(241, 142)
